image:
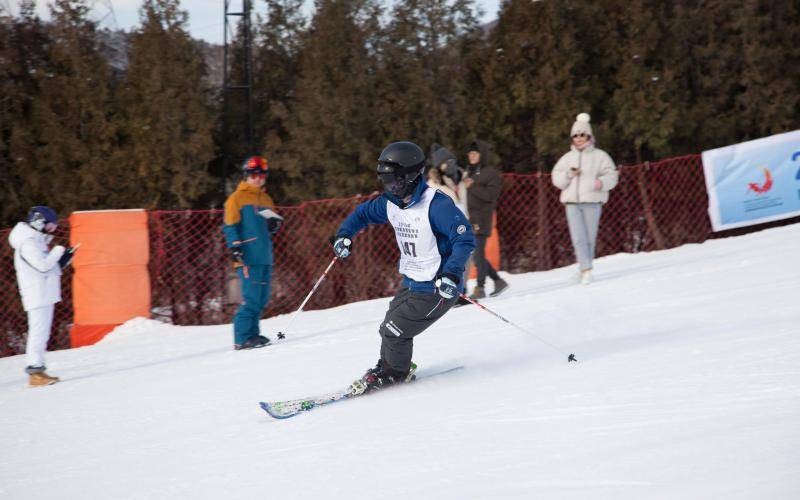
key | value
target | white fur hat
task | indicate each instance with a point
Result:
(581, 125)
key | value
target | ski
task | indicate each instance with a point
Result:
(293, 407)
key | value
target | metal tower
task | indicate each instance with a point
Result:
(245, 85)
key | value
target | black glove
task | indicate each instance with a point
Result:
(447, 286)
(237, 255)
(66, 258)
(342, 246)
(274, 225)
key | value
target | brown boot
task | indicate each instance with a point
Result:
(478, 293)
(40, 379)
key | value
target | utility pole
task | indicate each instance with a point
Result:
(244, 83)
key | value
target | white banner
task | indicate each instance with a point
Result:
(753, 182)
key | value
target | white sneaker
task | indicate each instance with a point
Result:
(586, 277)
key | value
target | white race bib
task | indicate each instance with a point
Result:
(419, 254)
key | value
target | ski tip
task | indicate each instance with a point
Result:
(268, 408)
(571, 357)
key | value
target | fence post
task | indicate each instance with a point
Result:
(544, 260)
(647, 207)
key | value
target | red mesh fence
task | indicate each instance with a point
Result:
(191, 272)
(655, 206)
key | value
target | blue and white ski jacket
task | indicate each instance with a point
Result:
(433, 235)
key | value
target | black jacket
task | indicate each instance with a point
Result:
(482, 196)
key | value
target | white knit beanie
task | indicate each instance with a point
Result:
(582, 125)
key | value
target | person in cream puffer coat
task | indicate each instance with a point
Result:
(584, 175)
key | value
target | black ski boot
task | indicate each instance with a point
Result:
(380, 377)
(253, 342)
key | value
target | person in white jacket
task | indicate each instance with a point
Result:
(446, 175)
(584, 175)
(39, 279)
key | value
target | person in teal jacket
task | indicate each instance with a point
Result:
(250, 223)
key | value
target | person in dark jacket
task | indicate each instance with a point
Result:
(483, 189)
(250, 223)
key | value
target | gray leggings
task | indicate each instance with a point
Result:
(583, 220)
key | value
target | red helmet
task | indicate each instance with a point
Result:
(255, 165)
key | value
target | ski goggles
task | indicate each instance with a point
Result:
(396, 179)
(256, 165)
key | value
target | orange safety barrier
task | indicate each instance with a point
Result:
(111, 283)
(492, 250)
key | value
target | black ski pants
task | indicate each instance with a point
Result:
(483, 265)
(410, 313)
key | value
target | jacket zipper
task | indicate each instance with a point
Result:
(578, 178)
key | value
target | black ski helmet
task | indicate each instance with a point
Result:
(400, 168)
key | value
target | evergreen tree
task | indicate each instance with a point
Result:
(423, 72)
(334, 144)
(537, 80)
(64, 139)
(275, 78)
(570, 74)
(769, 101)
(15, 95)
(507, 114)
(167, 120)
(403, 85)
(646, 103)
(472, 54)
(276, 71)
(708, 65)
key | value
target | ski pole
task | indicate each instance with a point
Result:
(281, 335)
(570, 357)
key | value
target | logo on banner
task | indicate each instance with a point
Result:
(753, 182)
(760, 189)
(795, 156)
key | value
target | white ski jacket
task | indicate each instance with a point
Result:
(38, 272)
(594, 164)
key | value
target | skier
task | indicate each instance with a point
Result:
(250, 223)
(435, 240)
(38, 276)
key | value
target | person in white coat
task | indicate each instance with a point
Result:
(446, 175)
(39, 278)
(584, 175)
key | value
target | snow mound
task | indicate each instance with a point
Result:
(134, 327)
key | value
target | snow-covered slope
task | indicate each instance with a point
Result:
(688, 386)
